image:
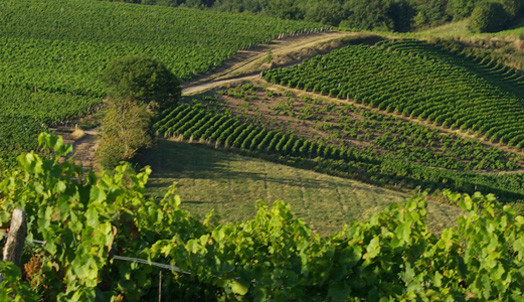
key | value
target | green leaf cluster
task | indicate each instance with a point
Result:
(85, 218)
(142, 79)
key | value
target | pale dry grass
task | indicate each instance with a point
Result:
(78, 134)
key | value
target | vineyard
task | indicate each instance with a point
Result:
(420, 81)
(355, 129)
(82, 225)
(53, 52)
(199, 123)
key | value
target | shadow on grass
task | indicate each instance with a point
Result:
(173, 160)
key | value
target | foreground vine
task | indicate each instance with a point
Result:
(85, 219)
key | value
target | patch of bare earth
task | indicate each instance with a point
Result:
(84, 145)
(286, 51)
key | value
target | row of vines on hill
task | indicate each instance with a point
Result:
(355, 129)
(196, 123)
(53, 53)
(418, 80)
(61, 46)
(85, 219)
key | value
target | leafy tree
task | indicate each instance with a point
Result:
(324, 11)
(373, 14)
(402, 13)
(512, 7)
(488, 17)
(379, 15)
(135, 85)
(460, 9)
(431, 12)
(142, 79)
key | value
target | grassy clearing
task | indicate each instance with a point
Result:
(231, 184)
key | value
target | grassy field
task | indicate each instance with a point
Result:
(516, 30)
(231, 184)
(448, 29)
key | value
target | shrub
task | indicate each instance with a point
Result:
(126, 130)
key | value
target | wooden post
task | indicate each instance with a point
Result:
(16, 237)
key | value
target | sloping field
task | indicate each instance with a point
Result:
(231, 184)
(53, 52)
(420, 81)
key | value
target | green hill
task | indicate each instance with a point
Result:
(53, 52)
(420, 81)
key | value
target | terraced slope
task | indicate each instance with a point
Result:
(219, 130)
(420, 81)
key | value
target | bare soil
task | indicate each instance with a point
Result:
(287, 51)
(84, 147)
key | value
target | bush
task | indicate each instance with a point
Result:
(488, 17)
(125, 131)
(143, 79)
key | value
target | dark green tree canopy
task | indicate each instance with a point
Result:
(488, 17)
(141, 79)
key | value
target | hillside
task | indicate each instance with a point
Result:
(312, 164)
(421, 81)
(53, 52)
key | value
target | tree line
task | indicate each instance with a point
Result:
(388, 15)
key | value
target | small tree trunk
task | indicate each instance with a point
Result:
(16, 238)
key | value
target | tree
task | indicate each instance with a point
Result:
(431, 12)
(488, 17)
(136, 85)
(460, 9)
(512, 7)
(402, 13)
(142, 79)
(368, 15)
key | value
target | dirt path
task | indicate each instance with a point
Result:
(280, 52)
(84, 147)
(191, 90)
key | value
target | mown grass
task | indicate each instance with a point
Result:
(231, 184)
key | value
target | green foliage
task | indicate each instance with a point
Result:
(125, 127)
(142, 79)
(488, 17)
(460, 9)
(54, 51)
(512, 7)
(11, 287)
(420, 80)
(85, 218)
(369, 15)
(432, 13)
